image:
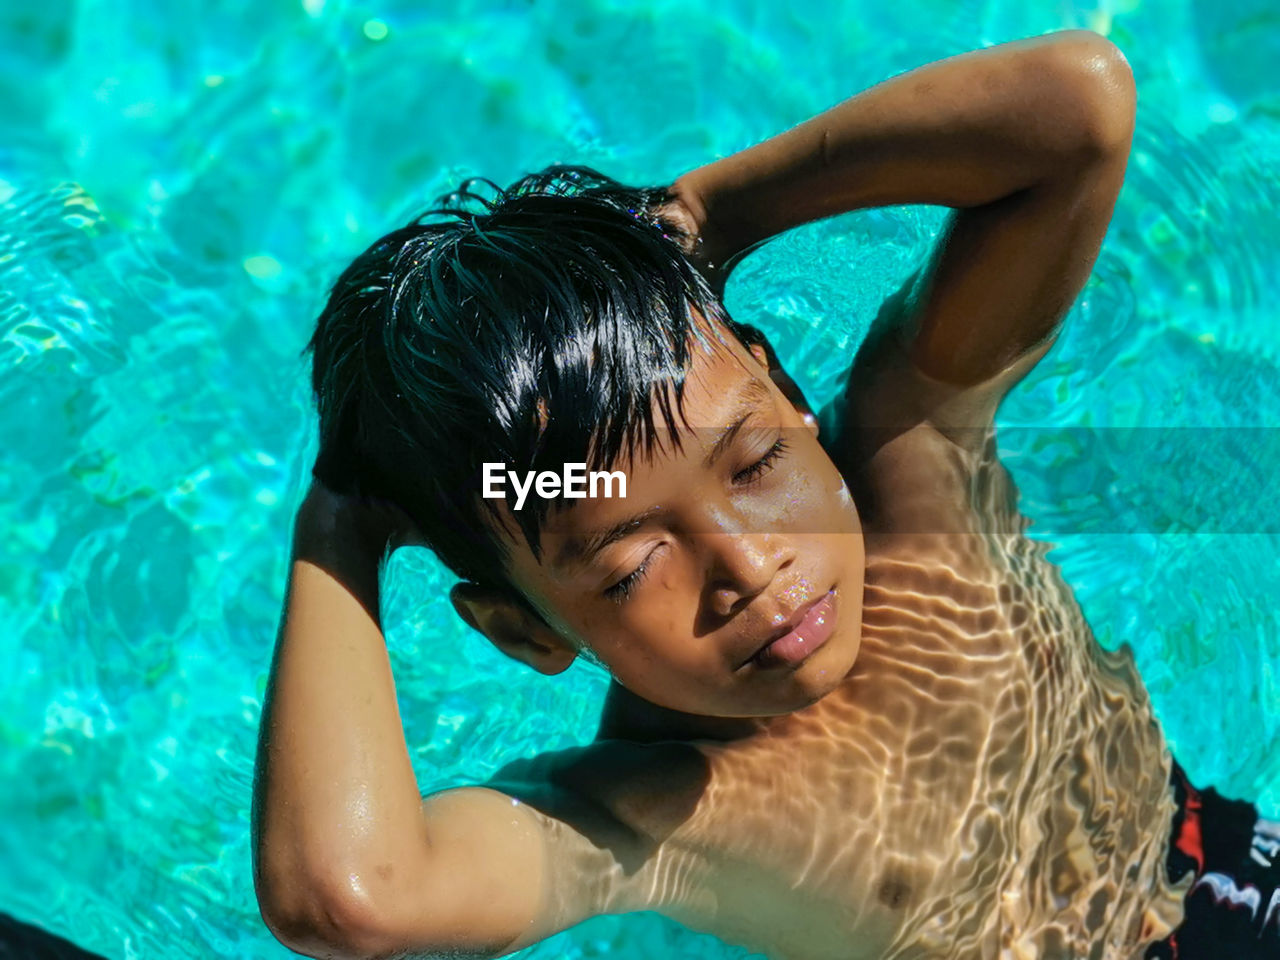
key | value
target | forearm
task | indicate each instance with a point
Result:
(335, 798)
(962, 132)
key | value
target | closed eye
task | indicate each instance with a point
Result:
(763, 465)
(622, 589)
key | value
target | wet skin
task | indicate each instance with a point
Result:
(717, 557)
(958, 771)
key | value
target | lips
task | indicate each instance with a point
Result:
(803, 633)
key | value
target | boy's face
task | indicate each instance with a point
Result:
(717, 549)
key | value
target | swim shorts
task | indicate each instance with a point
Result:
(1233, 907)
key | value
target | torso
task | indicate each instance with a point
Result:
(987, 782)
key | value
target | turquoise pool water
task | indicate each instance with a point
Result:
(179, 183)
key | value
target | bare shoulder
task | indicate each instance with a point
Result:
(901, 436)
(628, 799)
(546, 844)
(885, 392)
(625, 817)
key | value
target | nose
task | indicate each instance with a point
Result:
(742, 565)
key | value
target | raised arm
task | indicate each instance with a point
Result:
(349, 860)
(1027, 140)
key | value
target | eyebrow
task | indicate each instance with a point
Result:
(749, 397)
(580, 550)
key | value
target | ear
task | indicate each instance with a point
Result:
(767, 358)
(512, 627)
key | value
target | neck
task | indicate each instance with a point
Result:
(627, 716)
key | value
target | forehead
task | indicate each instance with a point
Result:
(721, 380)
(723, 387)
(723, 383)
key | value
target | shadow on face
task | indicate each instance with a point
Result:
(726, 582)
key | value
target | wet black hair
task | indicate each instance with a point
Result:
(545, 327)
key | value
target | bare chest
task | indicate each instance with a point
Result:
(986, 779)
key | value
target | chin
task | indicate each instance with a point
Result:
(820, 675)
(806, 688)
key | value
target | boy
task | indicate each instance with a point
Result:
(854, 711)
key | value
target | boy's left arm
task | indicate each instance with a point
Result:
(1028, 141)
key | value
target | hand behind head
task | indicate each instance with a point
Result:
(372, 523)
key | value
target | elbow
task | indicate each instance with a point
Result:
(320, 921)
(1092, 84)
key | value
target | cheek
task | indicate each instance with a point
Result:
(836, 501)
(592, 629)
(818, 497)
(653, 624)
(665, 623)
(666, 612)
(840, 504)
